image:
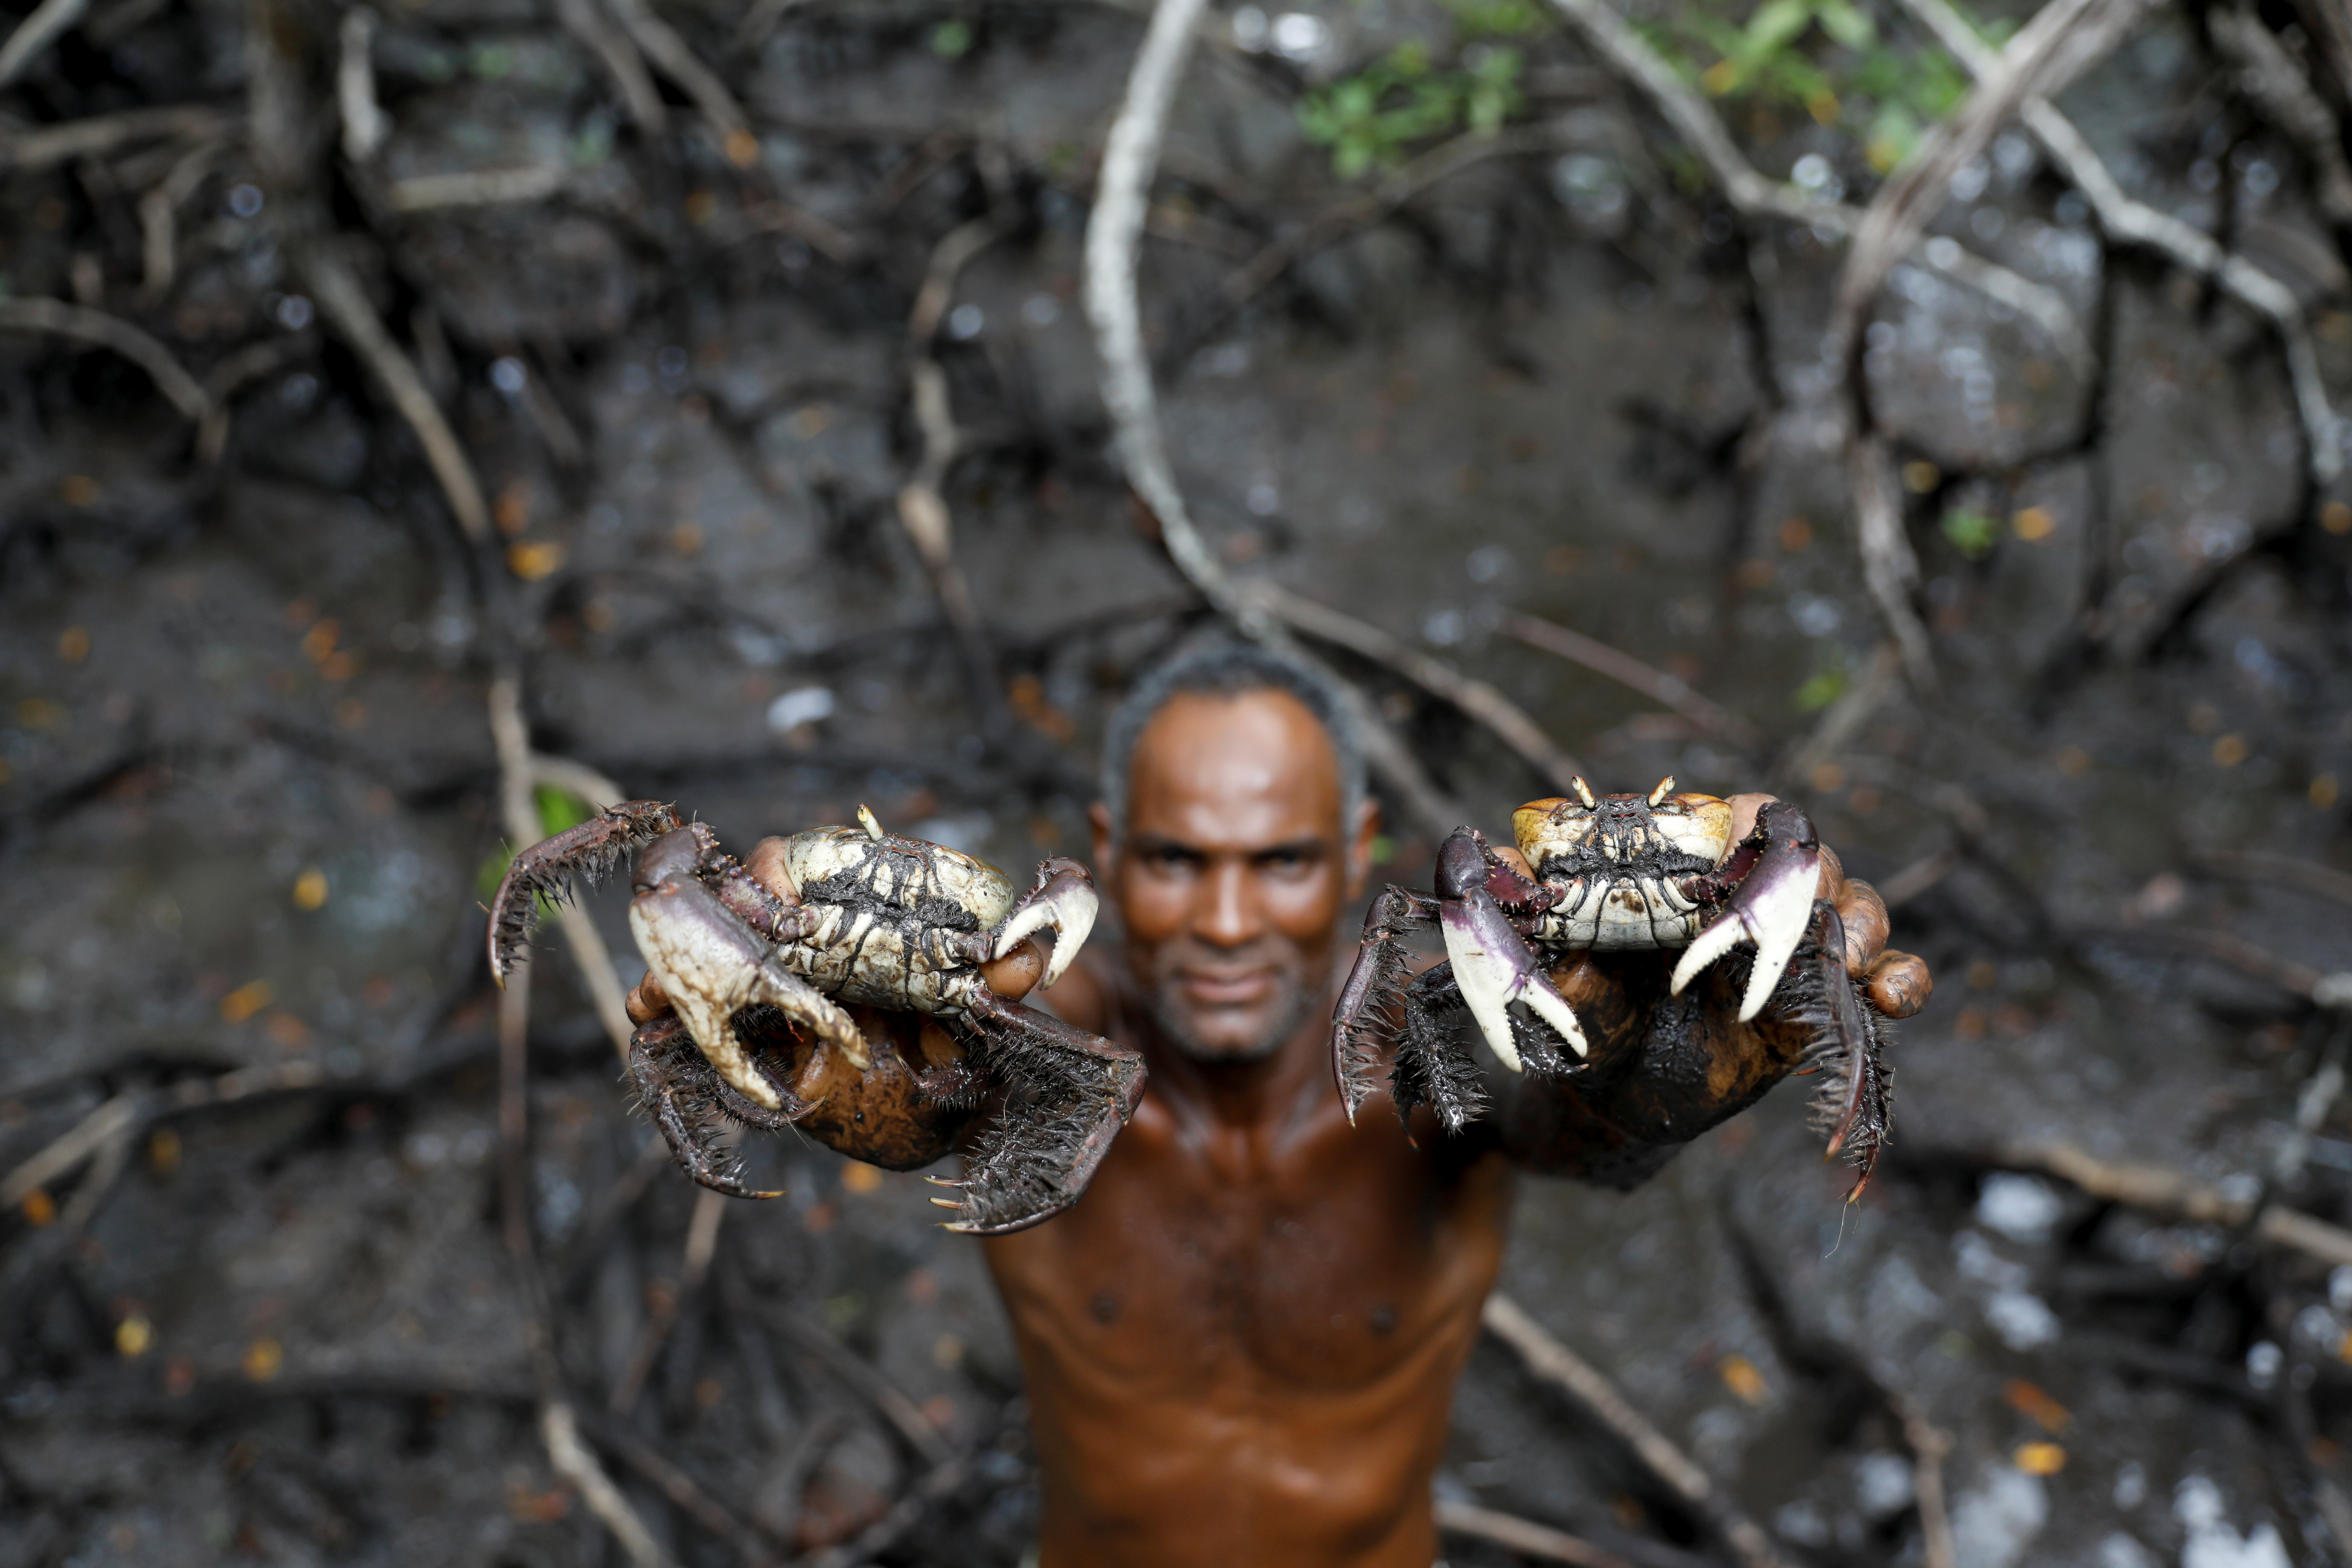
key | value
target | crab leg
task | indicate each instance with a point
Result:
(1072, 1091)
(1492, 965)
(1065, 900)
(711, 963)
(685, 1099)
(1372, 989)
(592, 850)
(1772, 905)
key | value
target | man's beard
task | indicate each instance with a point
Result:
(1288, 1008)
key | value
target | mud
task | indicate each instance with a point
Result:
(247, 787)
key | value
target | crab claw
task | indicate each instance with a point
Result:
(1773, 905)
(1065, 900)
(711, 963)
(1492, 965)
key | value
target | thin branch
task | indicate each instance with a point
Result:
(2128, 221)
(2314, 985)
(689, 1496)
(131, 1109)
(626, 67)
(1666, 690)
(559, 1428)
(346, 306)
(660, 41)
(861, 1376)
(1930, 1445)
(1753, 195)
(1114, 233)
(78, 1142)
(2273, 79)
(247, 364)
(1335, 223)
(559, 1425)
(1524, 1536)
(83, 324)
(37, 32)
(2281, 871)
(701, 1243)
(759, 22)
(2174, 1196)
(1890, 567)
(936, 1485)
(96, 135)
(2064, 38)
(1556, 1363)
(922, 507)
(1475, 697)
(517, 186)
(365, 124)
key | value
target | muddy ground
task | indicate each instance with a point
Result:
(247, 785)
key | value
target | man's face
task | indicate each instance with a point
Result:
(1234, 869)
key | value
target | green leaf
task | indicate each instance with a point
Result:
(952, 39)
(559, 809)
(1820, 690)
(1971, 532)
(1846, 24)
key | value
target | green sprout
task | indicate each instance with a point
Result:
(1972, 534)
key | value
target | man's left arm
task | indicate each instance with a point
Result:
(1664, 1068)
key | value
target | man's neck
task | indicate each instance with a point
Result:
(1239, 1094)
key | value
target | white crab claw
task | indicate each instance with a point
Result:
(1772, 908)
(1067, 903)
(1493, 968)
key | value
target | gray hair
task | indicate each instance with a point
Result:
(1222, 665)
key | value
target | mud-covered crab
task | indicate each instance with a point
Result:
(1616, 871)
(831, 918)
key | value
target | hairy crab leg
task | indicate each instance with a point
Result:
(593, 849)
(1370, 990)
(1772, 905)
(1072, 1093)
(711, 964)
(1855, 1104)
(684, 1097)
(1064, 899)
(1491, 965)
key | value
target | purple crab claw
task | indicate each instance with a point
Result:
(1065, 900)
(1492, 965)
(1771, 906)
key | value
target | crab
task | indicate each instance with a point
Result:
(1613, 871)
(825, 920)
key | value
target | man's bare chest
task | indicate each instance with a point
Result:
(1324, 1263)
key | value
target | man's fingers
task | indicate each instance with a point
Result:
(1017, 972)
(647, 1001)
(1899, 984)
(1865, 915)
(1509, 855)
(1744, 808)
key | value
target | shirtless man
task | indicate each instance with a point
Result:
(1241, 1345)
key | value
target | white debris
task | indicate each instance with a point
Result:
(2022, 1208)
(1994, 1525)
(2022, 1321)
(2212, 1543)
